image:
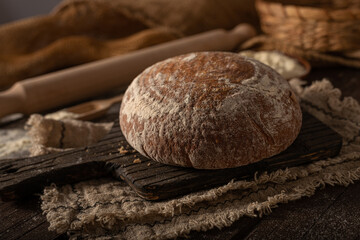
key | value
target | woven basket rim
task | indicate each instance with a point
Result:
(286, 3)
(283, 10)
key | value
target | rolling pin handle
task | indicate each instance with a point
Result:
(63, 87)
(240, 33)
(12, 100)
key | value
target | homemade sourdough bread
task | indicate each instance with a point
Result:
(210, 110)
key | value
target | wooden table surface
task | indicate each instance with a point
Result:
(332, 213)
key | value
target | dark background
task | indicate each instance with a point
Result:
(11, 10)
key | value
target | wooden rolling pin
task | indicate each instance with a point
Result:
(77, 83)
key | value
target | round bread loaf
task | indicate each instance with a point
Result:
(210, 110)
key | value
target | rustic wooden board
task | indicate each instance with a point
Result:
(154, 181)
(24, 220)
(151, 180)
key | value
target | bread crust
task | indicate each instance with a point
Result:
(210, 110)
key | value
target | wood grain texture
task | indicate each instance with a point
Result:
(155, 181)
(152, 180)
(24, 220)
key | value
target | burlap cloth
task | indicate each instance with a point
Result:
(109, 209)
(81, 31)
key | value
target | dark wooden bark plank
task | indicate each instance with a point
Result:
(292, 220)
(341, 218)
(19, 217)
(154, 182)
(41, 232)
(14, 214)
(7, 209)
(25, 217)
(21, 177)
(234, 232)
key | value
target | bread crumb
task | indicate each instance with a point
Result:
(122, 150)
(137, 160)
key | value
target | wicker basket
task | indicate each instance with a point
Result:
(322, 25)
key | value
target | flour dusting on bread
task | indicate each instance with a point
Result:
(209, 110)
